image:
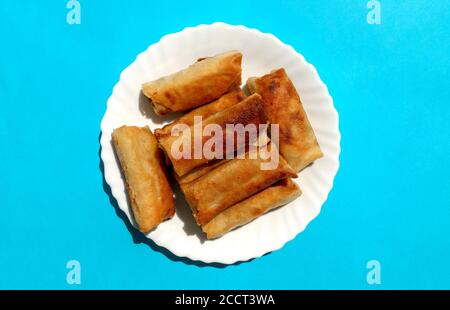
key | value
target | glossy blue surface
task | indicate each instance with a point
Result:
(390, 202)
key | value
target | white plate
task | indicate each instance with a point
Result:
(262, 53)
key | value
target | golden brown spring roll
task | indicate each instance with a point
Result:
(232, 182)
(196, 173)
(149, 192)
(224, 102)
(204, 81)
(282, 104)
(280, 193)
(248, 111)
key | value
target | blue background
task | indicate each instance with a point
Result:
(390, 202)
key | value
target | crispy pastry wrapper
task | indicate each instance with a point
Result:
(250, 111)
(142, 163)
(224, 102)
(282, 104)
(232, 182)
(204, 81)
(279, 194)
(198, 172)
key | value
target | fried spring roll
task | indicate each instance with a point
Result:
(196, 173)
(204, 81)
(149, 192)
(224, 102)
(250, 111)
(280, 193)
(282, 104)
(232, 182)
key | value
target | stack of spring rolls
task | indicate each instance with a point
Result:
(229, 189)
